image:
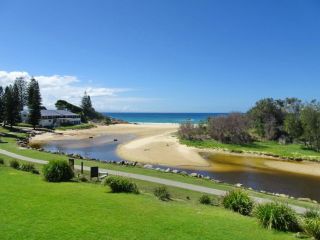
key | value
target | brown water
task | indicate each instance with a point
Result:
(298, 179)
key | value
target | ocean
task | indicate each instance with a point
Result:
(162, 117)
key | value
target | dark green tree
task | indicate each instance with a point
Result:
(11, 107)
(1, 105)
(267, 118)
(21, 84)
(86, 106)
(34, 102)
(310, 118)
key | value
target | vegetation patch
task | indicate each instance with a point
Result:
(238, 201)
(205, 199)
(14, 164)
(57, 171)
(121, 184)
(162, 193)
(277, 216)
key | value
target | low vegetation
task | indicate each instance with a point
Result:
(277, 216)
(205, 199)
(14, 164)
(57, 171)
(238, 201)
(77, 127)
(121, 184)
(1, 161)
(312, 227)
(162, 193)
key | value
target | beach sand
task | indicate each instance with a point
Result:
(154, 144)
(157, 144)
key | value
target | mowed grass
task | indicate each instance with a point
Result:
(268, 147)
(34, 209)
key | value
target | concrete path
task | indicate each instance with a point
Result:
(163, 181)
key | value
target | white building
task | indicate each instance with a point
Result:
(54, 118)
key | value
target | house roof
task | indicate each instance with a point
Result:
(57, 113)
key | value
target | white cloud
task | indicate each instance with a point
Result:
(71, 89)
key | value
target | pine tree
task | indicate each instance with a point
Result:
(21, 84)
(34, 102)
(86, 106)
(1, 105)
(11, 107)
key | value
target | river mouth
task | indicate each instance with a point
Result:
(258, 173)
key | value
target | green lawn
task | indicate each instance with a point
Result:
(34, 209)
(10, 145)
(266, 147)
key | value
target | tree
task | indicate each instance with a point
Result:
(11, 107)
(1, 105)
(86, 106)
(22, 90)
(293, 126)
(232, 128)
(267, 118)
(64, 105)
(310, 118)
(34, 102)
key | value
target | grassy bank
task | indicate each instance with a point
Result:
(295, 151)
(10, 145)
(77, 127)
(34, 209)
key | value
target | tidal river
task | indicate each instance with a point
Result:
(298, 179)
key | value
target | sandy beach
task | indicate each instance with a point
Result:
(157, 144)
(153, 143)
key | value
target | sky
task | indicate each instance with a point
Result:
(163, 55)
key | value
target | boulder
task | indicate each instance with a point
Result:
(149, 166)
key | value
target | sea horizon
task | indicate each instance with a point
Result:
(158, 117)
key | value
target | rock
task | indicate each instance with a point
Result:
(314, 201)
(238, 185)
(175, 171)
(305, 199)
(207, 177)
(168, 170)
(149, 166)
(158, 169)
(115, 140)
(183, 173)
(194, 174)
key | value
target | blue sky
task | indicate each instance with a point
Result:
(164, 55)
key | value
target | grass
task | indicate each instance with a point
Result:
(34, 209)
(10, 145)
(267, 147)
(77, 127)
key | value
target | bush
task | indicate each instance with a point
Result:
(205, 199)
(14, 164)
(312, 213)
(312, 227)
(277, 216)
(162, 193)
(57, 171)
(28, 167)
(35, 145)
(1, 161)
(121, 184)
(238, 201)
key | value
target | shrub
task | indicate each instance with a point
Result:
(277, 216)
(238, 201)
(162, 193)
(121, 184)
(35, 145)
(205, 199)
(35, 171)
(312, 227)
(312, 213)
(28, 167)
(1, 161)
(14, 164)
(57, 171)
